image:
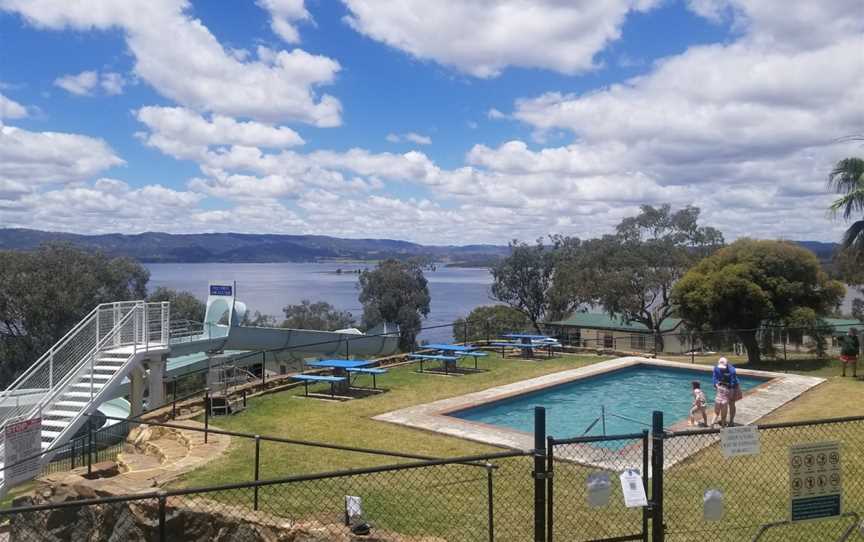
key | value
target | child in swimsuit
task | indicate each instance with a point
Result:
(699, 403)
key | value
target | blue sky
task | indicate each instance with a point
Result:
(445, 122)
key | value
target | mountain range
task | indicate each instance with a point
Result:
(154, 247)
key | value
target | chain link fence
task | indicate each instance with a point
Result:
(755, 488)
(470, 498)
(575, 515)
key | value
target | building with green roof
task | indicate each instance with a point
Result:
(600, 330)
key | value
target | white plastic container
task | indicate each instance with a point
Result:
(599, 489)
(712, 505)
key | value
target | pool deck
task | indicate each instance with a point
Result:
(757, 403)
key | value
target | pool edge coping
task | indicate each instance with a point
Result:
(779, 389)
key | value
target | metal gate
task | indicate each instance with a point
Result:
(569, 463)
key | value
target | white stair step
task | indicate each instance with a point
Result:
(96, 376)
(69, 414)
(56, 423)
(82, 394)
(105, 369)
(86, 385)
(73, 404)
(112, 361)
(50, 435)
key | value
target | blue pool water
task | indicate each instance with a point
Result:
(633, 392)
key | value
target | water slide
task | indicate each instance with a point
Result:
(223, 330)
(91, 367)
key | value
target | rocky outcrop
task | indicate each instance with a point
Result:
(193, 519)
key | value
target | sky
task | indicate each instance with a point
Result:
(445, 122)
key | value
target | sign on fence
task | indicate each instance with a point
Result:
(22, 439)
(633, 489)
(741, 440)
(815, 480)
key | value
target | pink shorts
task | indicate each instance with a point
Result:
(722, 395)
(848, 359)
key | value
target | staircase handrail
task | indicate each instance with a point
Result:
(63, 381)
(60, 388)
(58, 345)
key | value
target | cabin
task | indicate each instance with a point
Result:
(598, 330)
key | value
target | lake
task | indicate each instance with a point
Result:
(267, 287)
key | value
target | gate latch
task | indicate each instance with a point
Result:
(541, 475)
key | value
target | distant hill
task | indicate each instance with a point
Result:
(240, 247)
(154, 247)
(824, 251)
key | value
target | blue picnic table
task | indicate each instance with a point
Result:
(341, 368)
(449, 354)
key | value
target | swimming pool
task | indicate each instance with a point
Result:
(632, 392)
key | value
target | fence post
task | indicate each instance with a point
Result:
(244, 398)
(206, 413)
(539, 474)
(257, 467)
(174, 401)
(162, 499)
(657, 527)
(645, 467)
(550, 493)
(490, 502)
(89, 445)
(263, 370)
(466, 331)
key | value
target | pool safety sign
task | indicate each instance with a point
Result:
(633, 489)
(742, 440)
(815, 480)
(22, 439)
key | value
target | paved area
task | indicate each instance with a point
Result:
(758, 402)
(154, 457)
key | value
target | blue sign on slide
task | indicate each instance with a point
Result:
(217, 289)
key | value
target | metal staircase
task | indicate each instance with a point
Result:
(84, 368)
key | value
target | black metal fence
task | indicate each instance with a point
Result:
(563, 490)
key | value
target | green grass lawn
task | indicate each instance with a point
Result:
(450, 501)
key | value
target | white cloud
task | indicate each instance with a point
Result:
(283, 14)
(495, 114)
(112, 83)
(183, 133)
(87, 82)
(412, 137)
(278, 86)
(482, 37)
(33, 158)
(10, 109)
(81, 84)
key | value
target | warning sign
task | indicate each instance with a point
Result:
(815, 480)
(22, 440)
(741, 440)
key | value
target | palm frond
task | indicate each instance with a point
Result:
(850, 204)
(854, 237)
(847, 176)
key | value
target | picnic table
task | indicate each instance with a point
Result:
(526, 343)
(450, 354)
(341, 368)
